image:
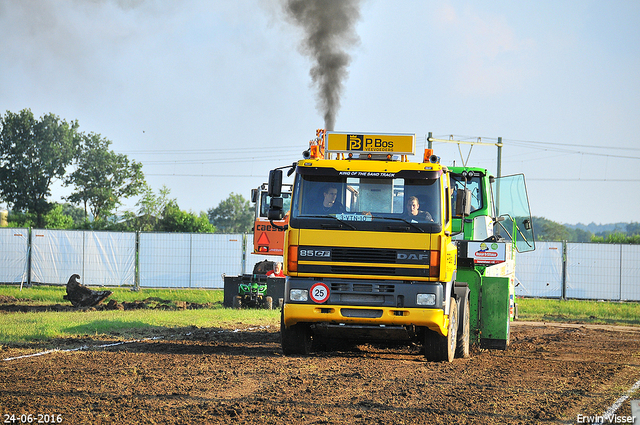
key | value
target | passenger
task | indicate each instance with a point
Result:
(413, 213)
(329, 203)
(277, 271)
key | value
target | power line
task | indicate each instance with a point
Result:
(580, 180)
(205, 175)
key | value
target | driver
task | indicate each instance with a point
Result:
(329, 203)
(413, 213)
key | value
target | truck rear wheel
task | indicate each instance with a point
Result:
(295, 339)
(440, 348)
(464, 330)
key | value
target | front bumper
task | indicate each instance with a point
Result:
(432, 318)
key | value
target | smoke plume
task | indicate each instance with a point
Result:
(329, 27)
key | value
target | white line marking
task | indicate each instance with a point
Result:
(86, 347)
(614, 408)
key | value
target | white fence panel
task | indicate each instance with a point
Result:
(593, 271)
(184, 260)
(539, 272)
(212, 256)
(630, 279)
(56, 255)
(164, 260)
(100, 258)
(109, 258)
(14, 255)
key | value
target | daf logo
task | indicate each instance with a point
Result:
(415, 257)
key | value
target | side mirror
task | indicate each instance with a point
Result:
(254, 195)
(276, 209)
(527, 224)
(275, 183)
(463, 202)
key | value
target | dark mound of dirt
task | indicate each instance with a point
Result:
(5, 299)
(9, 305)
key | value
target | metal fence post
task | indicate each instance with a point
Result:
(620, 269)
(564, 270)
(136, 263)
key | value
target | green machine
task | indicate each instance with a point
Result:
(492, 222)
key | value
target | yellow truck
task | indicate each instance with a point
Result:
(368, 252)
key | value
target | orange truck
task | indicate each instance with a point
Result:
(256, 290)
(268, 238)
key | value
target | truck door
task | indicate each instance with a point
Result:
(512, 207)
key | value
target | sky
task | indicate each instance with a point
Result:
(211, 95)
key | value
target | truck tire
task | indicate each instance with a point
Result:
(295, 339)
(237, 301)
(438, 348)
(268, 303)
(464, 330)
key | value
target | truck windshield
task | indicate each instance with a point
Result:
(473, 184)
(265, 199)
(364, 201)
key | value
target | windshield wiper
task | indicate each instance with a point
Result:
(406, 221)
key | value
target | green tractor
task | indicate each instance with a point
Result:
(252, 293)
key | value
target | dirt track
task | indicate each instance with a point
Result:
(549, 375)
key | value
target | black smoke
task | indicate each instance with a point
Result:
(329, 27)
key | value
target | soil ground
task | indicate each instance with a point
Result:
(549, 375)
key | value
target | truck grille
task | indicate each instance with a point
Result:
(363, 255)
(382, 271)
(362, 287)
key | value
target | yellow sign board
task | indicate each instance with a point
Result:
(401, 144)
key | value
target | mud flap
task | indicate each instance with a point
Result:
(494, 313)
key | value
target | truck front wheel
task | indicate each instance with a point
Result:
(295, 339)
(440, 348)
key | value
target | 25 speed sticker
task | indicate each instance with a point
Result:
(319, 292)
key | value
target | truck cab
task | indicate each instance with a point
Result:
(368, 251)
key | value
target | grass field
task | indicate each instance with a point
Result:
(598, 312)
(25, 327)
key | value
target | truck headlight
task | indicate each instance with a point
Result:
(299, 295)
(426, 299)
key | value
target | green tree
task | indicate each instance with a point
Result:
(579, 235)
(549, 231)
(57, 219)
(175, 220)
(34, 153)
(76, 214)
(151, 208)
(633, 228)
(102, 177)
(617, 237)
(232, 215)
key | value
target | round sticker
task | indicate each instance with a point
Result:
(319, 292)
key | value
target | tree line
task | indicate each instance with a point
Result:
(36, 152)
(550, 231)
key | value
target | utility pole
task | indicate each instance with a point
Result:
(499, 145)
